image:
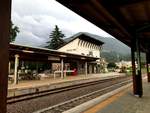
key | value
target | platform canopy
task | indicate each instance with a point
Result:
(42, 54)
(123, 19)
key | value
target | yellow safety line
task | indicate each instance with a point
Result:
(106, 102)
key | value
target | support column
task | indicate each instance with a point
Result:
(5, 14)
(62, 67)
(147, 65)
(86, 68)
(137, 78)
(133, 67)
(138, 75)
(16, 69)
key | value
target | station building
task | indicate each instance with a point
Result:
(85, 44)
(79, 55)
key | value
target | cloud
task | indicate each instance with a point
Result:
(27, 38)
(37, 18)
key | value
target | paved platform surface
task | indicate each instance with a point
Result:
(48, 81)
(125, 102)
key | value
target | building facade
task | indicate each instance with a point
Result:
(87, 45)
(82, 44)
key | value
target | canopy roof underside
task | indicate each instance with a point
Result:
(123, 19)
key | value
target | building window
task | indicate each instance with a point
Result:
(88, 45)
(90, 53)
(92, 46)
(79, 42)
(84, 43)
(97, 47)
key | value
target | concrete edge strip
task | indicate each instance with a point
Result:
(83, 107)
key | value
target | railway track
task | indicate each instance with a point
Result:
(15, 99)
(59, 108)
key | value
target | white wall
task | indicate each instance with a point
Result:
(70, 47)
(78, 46)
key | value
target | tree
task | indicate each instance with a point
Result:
(56, 37)
(13, 32)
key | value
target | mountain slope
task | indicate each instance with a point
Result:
(112, 44)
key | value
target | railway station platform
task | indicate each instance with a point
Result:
(31, 85)
(125, 102)
(47, 81)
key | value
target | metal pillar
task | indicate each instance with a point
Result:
(137, 78)
(138, 74)
(133, 68)
(5, 17)
(147, 65)
(16, 69)
(86, 68)
(62, 67)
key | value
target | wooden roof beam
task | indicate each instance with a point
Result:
(122, 2)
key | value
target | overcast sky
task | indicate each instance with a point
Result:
(37, 18)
